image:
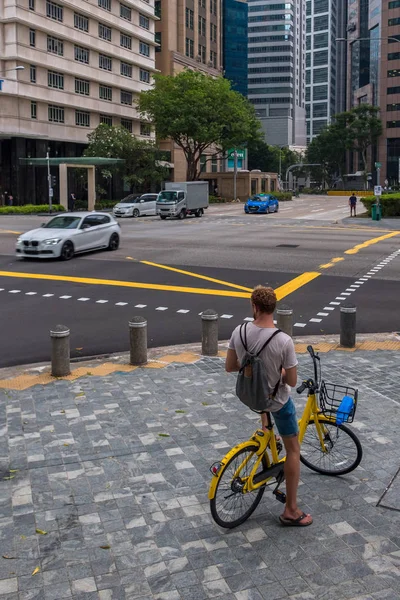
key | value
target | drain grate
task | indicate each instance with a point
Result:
(288, 246)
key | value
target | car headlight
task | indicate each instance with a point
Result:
(19, 241)
(52, 242)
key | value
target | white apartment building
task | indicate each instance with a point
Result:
(85, 62)
(276, 56)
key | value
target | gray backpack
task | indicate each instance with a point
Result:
(252, 386)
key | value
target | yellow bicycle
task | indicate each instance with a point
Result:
(327, 446)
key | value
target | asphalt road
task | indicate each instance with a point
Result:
(229, 250)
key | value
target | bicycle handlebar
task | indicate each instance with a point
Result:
(302, 387)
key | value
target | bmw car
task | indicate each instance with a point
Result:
(69, 234)
(261, 203)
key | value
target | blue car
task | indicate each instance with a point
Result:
(261, 203)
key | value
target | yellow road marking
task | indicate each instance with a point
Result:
(337, 259)
(10, 231)
(359, 247)
(296, 283)
(326, 266)
(232, 285)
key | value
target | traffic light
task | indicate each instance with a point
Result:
(53, 181)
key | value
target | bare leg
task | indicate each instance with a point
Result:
(292, 476)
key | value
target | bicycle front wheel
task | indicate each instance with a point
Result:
(230, 506)
(342, 450)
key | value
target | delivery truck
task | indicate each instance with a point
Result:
(179, 200)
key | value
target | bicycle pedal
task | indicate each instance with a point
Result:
(281, 496)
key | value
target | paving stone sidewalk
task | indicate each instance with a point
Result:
(116, 471)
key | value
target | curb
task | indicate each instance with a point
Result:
(26, 376)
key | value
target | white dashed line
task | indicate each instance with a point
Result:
(247, 319)
(346, 293)
(226, 316)
(183, 311)
(1, 289)
(340, 298)
(359, 282)
(300, 324)
(162, 308)
(47, 295)
(335, 303)
(30, 293)
(322, 314)
(101, 301)
(14, 291)
(329, 308)
(83, 299)
(354, 286)
(315, 320)
(140, 305)
(121, 303)
(65, 297)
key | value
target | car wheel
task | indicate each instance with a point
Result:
(268, 210)
(277, 208)
(163, 217)
(114, 242)
(182, 215)
(67, 251)
(136, 213)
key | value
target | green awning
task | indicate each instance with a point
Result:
(87, 161)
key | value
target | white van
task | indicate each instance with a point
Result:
(136, 207)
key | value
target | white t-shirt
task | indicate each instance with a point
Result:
(279, 353)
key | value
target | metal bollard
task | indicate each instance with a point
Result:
(284, 317)
(348, 325)
(209, 333)
(138, 341)
(60, 352)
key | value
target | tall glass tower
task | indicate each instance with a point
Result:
(235, 34)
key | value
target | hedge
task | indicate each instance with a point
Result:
(30, 209)
(283, 196)
(349, 192)
(390, 204)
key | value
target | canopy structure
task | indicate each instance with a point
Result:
(83, 162)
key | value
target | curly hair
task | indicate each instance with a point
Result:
(264, 299)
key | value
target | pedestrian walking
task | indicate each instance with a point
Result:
(353, 204)
(276, 350)
(71, 202)
(9, 199)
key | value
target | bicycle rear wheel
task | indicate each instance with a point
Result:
(230, 507)
(343, 451)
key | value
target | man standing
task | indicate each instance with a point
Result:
(352, 204)
(280, 362)
(71, 202)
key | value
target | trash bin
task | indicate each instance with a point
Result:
(374, 212)
(378, 212)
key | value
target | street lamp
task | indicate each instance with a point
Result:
(17, 68)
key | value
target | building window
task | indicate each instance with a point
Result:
(144, 49)
(126, 98)
(394, 4)
(55, 80)
(81, 22)
(394, 106)
(145, 129)
(144, 75)
(213, 33)
(82, 87)
(202, 54)
(395, 21)
(213, 6)
(82, 118)
(106, 4)
(127, 124)
(202, 3)
(189, 19)
(106, 120)
(32, 38)
(393, 73)
(54, 11)
(394, 56)
(105, 93)
(214, 164)
(157, 39)
(55, 45)
(213, 59)
(56, 113)
(394, 90)
(202, 26)
(32, 6)
(82, 55)
(189, 48)
(157, 8)
(126, 41)
(392, 124)
(125, 12)
(104, 32)
(33, 110)
(144, 22)
(126, 69)
(32, 73)
(105, 62)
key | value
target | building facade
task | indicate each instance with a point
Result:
(373, 71)
(84, 63)
(325, 63)
(235, 40)
(277, 69)
(188, 35)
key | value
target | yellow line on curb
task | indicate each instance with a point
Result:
(232, 285)
(359, 247)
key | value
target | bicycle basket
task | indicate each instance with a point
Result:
(330, 399)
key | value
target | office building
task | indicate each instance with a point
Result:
(325, 63)
(188, 35)
(374, 78)
(277, 61)
(84, 63)
(235, 39)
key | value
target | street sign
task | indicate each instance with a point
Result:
(377, 190)
(51, 193)
(378, 165)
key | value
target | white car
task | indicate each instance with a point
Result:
(69, 234)
(136, 207)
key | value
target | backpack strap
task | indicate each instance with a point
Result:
(268, 341)
(244, 342)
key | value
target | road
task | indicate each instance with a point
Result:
(170, 271)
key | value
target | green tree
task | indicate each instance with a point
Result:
(329, 150)
(199, 113)
(270, 158)
(142, 167)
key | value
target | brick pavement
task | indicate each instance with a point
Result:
(115, 470)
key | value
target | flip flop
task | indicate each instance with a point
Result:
(295, 522)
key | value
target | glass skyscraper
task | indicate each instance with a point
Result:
(235, 28)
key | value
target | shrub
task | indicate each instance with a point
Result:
(104, 204)
(390, 204)
(30, 209)
(317, 191)
(216, 200)
(283, 196)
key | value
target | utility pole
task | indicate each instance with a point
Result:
(235, 170)
(49, 181)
